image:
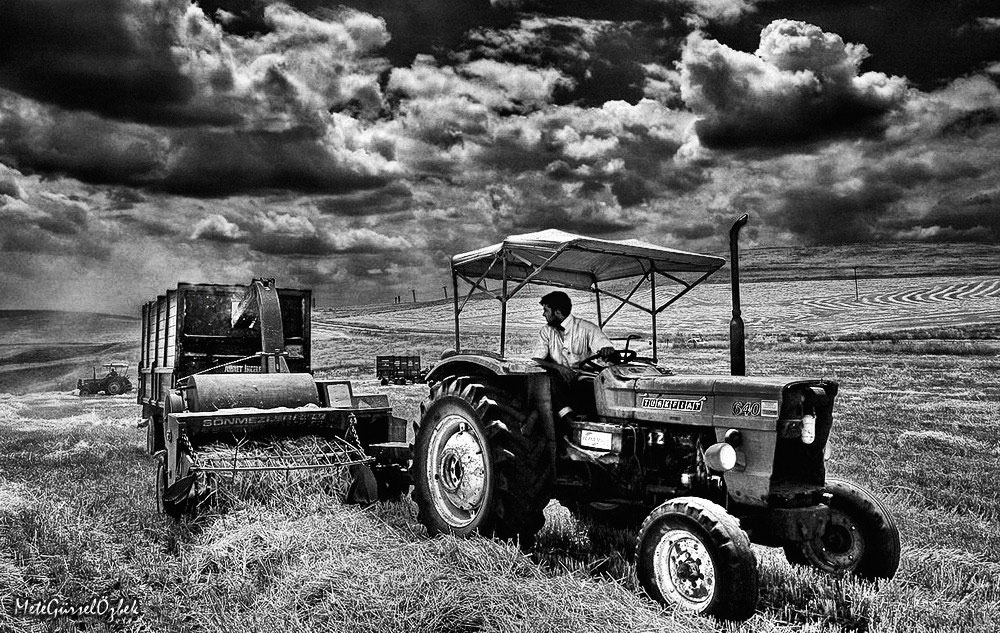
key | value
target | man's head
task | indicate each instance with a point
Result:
(556, 306)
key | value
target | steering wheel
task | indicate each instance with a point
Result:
(620, 357)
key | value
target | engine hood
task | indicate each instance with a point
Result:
(719, 385)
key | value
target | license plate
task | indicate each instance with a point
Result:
(596, 439)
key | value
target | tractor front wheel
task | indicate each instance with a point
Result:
(860, 538)
(481, 461)
(692, 553)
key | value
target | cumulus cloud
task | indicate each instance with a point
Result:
(801, 83)
(630, 148)
(217, 228)
(700, 12)
(10, 182)
(286, 108)
(602, 58)
(301, 234)
(51, 224)
(587, 208)
(494, 85)
(967, 105)
(988, 24)
(165, 62)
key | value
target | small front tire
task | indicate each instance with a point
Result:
(693, 554)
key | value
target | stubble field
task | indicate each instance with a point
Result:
(915, 422)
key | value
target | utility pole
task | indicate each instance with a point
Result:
(445, 288)
(414, 291)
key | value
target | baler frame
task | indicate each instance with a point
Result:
(261, 418)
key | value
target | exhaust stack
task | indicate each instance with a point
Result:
(737, 335)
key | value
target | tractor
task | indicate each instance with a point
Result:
(114, 382)
(712, 462)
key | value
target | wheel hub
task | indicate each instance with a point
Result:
(458, 469)
(841, 545)
(684, 570)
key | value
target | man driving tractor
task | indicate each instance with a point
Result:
(564, 341)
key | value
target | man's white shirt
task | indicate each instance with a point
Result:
(578, 340)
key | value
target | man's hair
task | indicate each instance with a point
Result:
(558, 301)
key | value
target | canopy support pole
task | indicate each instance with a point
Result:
(503, 305)
(454, 285)
(652, 305)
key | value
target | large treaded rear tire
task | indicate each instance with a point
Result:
(692, 553)
(861, 538)
(482, 462)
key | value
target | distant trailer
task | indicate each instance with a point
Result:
(202, 328)
(399, 370)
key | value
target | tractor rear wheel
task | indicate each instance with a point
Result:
(692, 553)
(860, 538)
(481, 461)
(114, 388)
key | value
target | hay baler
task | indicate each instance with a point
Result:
(226, 388)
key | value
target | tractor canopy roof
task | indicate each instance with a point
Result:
(558, 258)
(116, 364)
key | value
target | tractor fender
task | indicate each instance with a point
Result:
(481, 364)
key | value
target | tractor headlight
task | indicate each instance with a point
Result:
(720, 457)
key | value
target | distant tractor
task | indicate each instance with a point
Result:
(114, 382)
(713, 462)
(399, 370)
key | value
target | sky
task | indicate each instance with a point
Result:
(353, 147)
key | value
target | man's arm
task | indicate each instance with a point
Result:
(568, 373)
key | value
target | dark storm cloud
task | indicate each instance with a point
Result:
(202, 163)
(426, 27)
(297, 232)
(76, 143)
(962, 217)
(588, 207)
(821, 216)
(51, 225)
(392, 198)
(602, 58)
(802, 83)
(88, 55)
(850, 197)
(258, 112)
(219, 164)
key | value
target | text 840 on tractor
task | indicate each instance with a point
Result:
(714, 462)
